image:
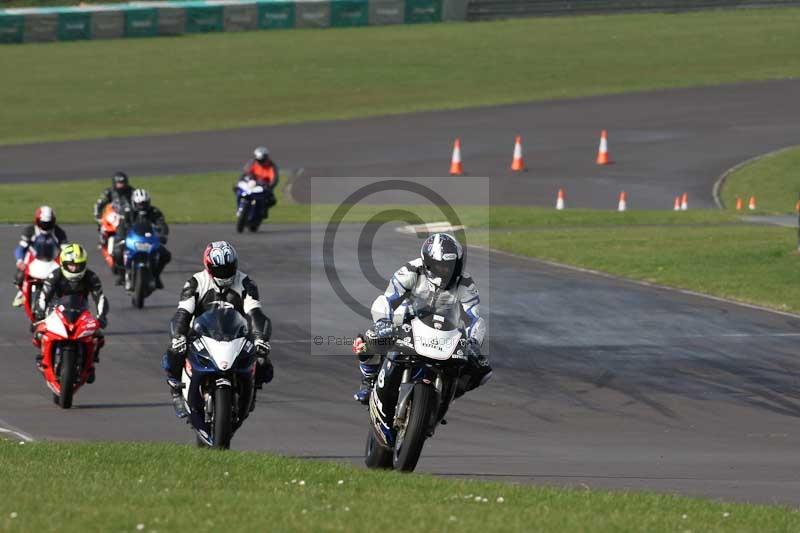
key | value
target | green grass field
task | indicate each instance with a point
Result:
(126, 87)
(166, 487)
(773, 179)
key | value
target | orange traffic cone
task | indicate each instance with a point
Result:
(739, 204)
(455, 161)
(603, 158)
(623, 202)
(517, 164)
(560, 200)
(752, 204)
(685, 202)
(677, 206)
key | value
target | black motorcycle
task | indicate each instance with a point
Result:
(414, 388)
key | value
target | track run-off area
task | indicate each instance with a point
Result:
(599, 382)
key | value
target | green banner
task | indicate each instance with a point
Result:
(204, 19)
(73, 26)
(12, 28)
(141, 22)
(418, 11)
(349, 13)
(274, 15)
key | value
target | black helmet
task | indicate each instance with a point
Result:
(120, 180)
(442, 259)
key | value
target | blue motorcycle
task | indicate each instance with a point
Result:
(218, 384)
(251, 203)
(142, 247)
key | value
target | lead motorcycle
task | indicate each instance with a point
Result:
(416, 384)
(218, 376)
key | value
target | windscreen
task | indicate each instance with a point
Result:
(221, 325)
(437, 309)
(72, 305)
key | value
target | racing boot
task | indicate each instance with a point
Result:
(175, 388)
(120, 280)
(128, 281)
(18, 300)
(264, 371)
(477, 372)
(159, 283)
(90, 377)
(368, 375)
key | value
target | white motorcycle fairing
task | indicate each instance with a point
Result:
(434, 343)
(41, 269)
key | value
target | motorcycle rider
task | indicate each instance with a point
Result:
(73, 278)
(141, 211)
(44, 224)
(219, 284)
(437, 273)
(119, 195)
(264, 170)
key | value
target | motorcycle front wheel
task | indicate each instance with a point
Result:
(411, 437)
(223, 417)
(241, 219)
(140, 281)
(66, 377)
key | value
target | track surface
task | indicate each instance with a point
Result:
(664, 143)
(598, 382)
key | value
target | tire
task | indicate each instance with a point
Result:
(66, 377)
(376, 455)
(140, 281)
(222, 429)
(241, 220)
(406, 453)
(254, 226)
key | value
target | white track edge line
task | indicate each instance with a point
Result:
(721, 180)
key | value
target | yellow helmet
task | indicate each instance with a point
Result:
(73, 261)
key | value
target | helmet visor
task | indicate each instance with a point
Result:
(441, 272)
(46, 225)
(74, 268)
(222, 272)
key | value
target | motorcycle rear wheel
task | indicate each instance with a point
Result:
(408, 446)
(66, 377)
(376, 455)
(223, 414)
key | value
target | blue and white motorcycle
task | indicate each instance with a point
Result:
(142, 244)
(251, 203)
(218, 386)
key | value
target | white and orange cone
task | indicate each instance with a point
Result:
(517, 164)
(685, 202)
(751, 205)
(677, 205)
(455, 162)
(560, 200)
(603, 157)
(623, 202)
(739, 204)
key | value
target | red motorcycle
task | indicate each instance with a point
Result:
(109, 222)
(40, 260)
(68, 338)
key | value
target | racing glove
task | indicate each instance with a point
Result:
(179, 344)
(263, 347)
(359, 345)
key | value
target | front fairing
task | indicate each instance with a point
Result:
(142, 241)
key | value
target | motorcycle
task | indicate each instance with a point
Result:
(110, 220)
(40, 260)
(218, 387)
(142, 244)
(68, 338)
(251, 202)
(415, 386)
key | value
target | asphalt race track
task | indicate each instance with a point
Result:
(664, 143)
(599, 382)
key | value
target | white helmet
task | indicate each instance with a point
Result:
(140, 198)
(261, 153)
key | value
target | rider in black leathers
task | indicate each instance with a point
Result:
(142, 211)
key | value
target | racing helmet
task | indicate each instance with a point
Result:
(73, 261)
(221, 262)
(45, 218)
(261, 154)
(442, 260)
(140, 199)
(120, 180)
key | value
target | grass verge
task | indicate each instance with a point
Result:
(166, 487)
(132, 87)
(773, 179)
